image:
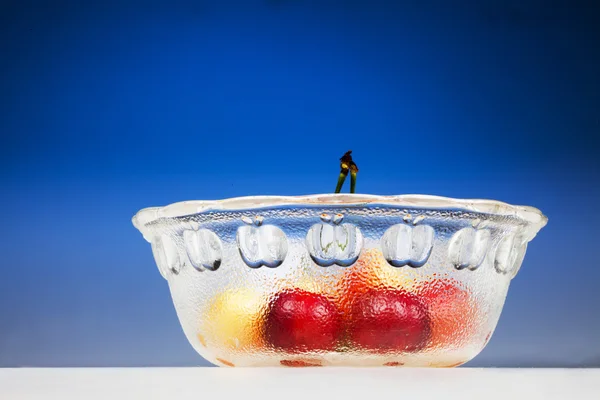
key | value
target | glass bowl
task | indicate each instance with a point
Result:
(339, 279)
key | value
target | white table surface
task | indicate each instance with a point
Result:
(298, 383)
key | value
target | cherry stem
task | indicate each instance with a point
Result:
(347, 165)
(341, 180)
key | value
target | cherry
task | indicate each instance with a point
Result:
(302, 321)
(371, 271)
(389, 320)
(453, 312)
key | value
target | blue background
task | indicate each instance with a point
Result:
(109, 107)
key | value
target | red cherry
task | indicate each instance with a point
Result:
(389, 320)
(302, 321)
(453, 312)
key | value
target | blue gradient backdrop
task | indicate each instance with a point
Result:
(108, 107)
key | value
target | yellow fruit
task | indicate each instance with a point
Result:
(312, 279)
(386, 275)
(233, 319)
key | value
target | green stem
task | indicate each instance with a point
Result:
(341, 180)
(353, 182)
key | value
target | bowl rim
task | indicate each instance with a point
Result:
(531, 215)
